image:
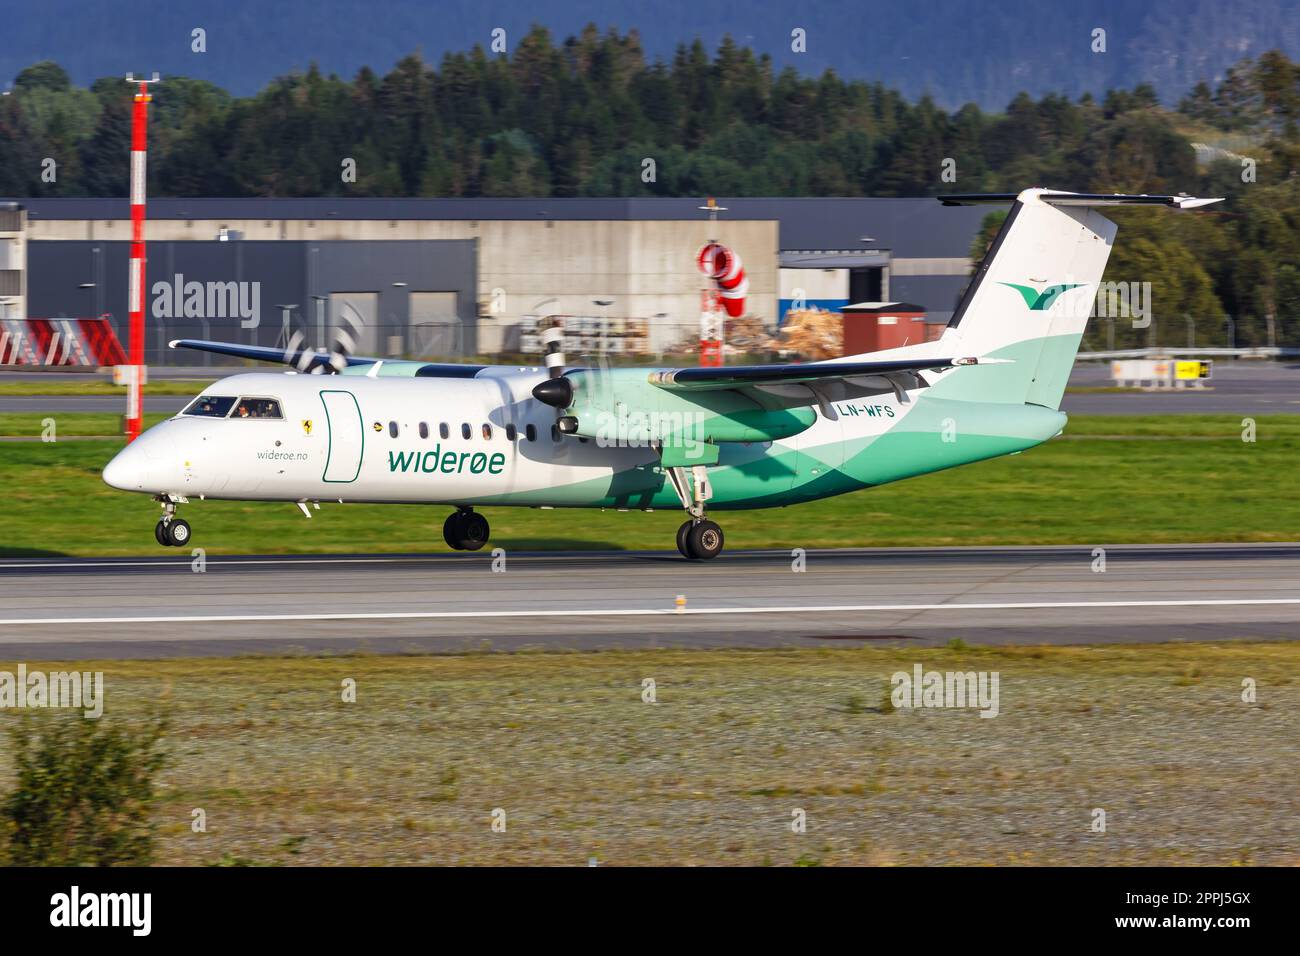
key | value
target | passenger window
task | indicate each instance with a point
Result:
(392, 429)
(210, 406)
(424, 429)
(511, 432)
(487, 432)
(465, 431)
(257, 408)
(444, 431)
(530, 432)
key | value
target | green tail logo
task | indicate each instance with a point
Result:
(1040, 301)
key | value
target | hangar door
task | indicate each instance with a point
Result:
(347, 436)
(357, 313)
(435, 326)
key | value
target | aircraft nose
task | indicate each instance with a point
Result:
(129, 469)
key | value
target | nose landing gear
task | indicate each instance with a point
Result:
(465, 530)
(171, 531)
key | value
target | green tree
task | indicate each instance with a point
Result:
(83, 792)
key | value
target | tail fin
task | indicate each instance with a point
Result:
(1030, 299)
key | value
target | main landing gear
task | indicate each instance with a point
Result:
(698, 538)
(171, 531)
(465, 530)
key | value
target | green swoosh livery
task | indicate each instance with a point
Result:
(1041, 301)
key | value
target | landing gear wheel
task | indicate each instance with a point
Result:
(178, 532)
(160, 533)
(451, 531)
(474, 531)
(704, 540)
(465, 531)
(681, 538)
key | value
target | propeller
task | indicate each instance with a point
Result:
(556, 391)
(346, 334)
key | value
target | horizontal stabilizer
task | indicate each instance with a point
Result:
(1055, 197)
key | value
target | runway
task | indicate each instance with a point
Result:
(162, 607)
(1237, 388)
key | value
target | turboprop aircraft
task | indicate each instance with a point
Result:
(338, 427)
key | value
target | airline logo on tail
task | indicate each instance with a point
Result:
(1042, 301)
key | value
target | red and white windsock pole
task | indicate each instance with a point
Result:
(135, 287)
(727, 295)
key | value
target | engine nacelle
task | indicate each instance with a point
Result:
(620, 407)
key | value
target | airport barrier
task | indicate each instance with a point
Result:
(61, 342)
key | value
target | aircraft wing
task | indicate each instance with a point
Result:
(262, 353)
(814, 382)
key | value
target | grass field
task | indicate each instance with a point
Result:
(1158, 737)
(59, 385)
(1108, 479)
(67, 424)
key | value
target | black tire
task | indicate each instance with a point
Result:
(474, 531)
(178, 532)
(452, 531)
(160, 533)
(704, 540)
(681, 537)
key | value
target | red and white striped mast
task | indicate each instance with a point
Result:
(726, 296)
(711, 321)
(135, 288)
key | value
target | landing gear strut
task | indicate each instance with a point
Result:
(698, 538)
(465, 530)
(171, 531)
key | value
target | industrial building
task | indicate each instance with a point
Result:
(457, 277)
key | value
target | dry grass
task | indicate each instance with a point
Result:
(710, 774)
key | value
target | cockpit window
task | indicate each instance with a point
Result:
(210, 406)
(257, 408)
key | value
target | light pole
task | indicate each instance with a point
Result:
(604, 321)
(403, 328)
(320, 319)
(659, 317)
(285, 309)
(540, 320)
(1191, 332)
(1232, 331)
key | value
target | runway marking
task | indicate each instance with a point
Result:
(633, 612)
(1208, 551)
(231, 562)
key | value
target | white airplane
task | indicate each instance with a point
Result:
(739, 437)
